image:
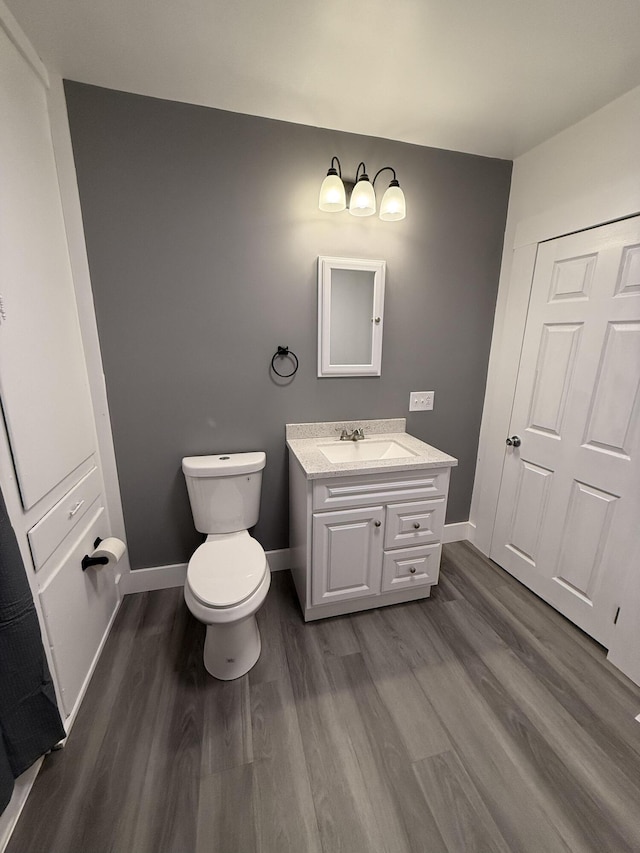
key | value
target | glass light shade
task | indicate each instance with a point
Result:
(332, 194)
(363, 199)
(393, 205)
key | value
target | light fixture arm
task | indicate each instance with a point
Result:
(363, 176)
(394, 182)
(332, 169)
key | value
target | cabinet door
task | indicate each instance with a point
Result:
(347, 554)
(43, 381)
(77, 607)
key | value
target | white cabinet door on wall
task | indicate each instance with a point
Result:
(43, 381)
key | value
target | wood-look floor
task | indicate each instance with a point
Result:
(477, 720)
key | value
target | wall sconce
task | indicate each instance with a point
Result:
(333, 196)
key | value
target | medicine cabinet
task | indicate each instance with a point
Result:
(350, 316)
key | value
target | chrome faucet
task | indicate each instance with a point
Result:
(356, 435)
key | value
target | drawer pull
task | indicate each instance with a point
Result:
(76, 509)
(412, 570)
(416, 524)
(377, 523)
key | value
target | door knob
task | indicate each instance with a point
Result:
(377, 523)
(514, 441)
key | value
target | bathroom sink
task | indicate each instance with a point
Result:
(367, 450)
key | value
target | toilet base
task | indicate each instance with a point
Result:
(232, 648)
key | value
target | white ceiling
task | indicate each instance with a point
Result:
(492, 77)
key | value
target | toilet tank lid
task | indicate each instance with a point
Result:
(224, 464)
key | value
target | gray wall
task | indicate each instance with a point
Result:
(203, 231)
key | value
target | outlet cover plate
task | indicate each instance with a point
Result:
(421, 401)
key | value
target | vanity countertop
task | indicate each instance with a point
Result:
(304, 442)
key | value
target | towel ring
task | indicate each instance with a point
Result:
(282, 353)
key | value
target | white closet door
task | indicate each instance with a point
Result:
(569, 511)
(43, 382)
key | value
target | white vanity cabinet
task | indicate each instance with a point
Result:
(365, 540)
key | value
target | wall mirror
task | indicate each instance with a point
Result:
(350, 316)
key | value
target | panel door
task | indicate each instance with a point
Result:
(569, 503)
(77, 607)
(43, 382)
(347, 554)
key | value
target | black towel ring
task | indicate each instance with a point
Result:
(282, 353)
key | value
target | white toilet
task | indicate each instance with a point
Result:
(228, 576)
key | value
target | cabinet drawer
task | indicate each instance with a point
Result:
(46, 535)
(362, 490)
(408, 567)
(414, 523)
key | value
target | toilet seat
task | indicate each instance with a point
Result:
(227, 570)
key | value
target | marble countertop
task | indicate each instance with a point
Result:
(303, 441)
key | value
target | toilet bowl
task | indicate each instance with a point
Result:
(228, 576)
(227, 582)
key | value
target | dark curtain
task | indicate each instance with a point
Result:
(30, 723)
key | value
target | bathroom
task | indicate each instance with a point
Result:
(194, 236)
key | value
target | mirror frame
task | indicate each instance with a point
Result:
(326, 265)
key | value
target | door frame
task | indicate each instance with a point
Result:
(518, 265)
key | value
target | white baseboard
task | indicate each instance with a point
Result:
(458, 532)
(279, 560)
(155, 577)
(166, 577)
(472, 533)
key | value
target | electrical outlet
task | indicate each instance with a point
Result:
(421, 401)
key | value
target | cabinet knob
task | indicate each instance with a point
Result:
(412, 570)
(377, 523)
(416, 524)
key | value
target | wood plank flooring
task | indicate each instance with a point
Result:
(477, 721)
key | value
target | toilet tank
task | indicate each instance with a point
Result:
(224, 490)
